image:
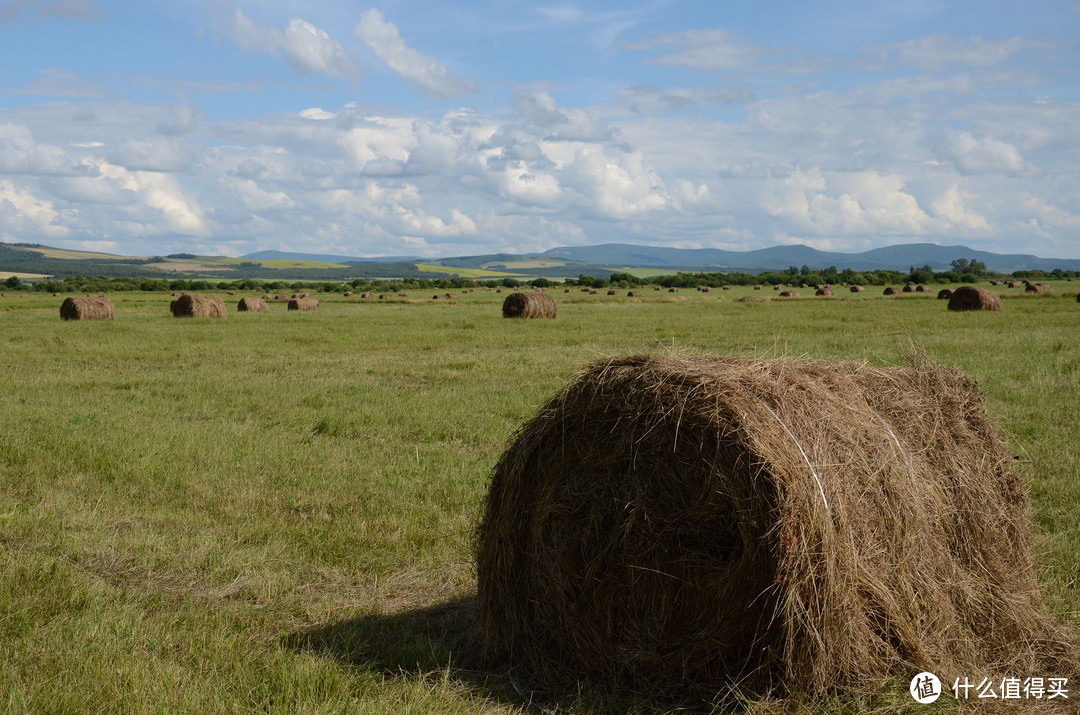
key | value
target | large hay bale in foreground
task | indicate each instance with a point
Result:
(309, 302)
(251, 305)
(86, 309)
(529, 305)
(974, 298)
(197, 306)
(682, 523)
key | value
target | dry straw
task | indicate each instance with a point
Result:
(856, 289)
(974, 298)
(197, 306)
(529, 305)
(789, 294)
(251, 305)
(945, 293)
(685, 523)
(889, 290)
(308, 302)
(90, 308)
(824, 292)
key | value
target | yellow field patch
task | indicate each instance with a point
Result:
(4, 275)
(71, 254)
(283, 264)
(463, 272)
(536, 263)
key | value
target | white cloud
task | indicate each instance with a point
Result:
(950, 207)
(984, 156)
(21, 211)
(308, 49)
(704, 49)
(936, 52)
(425, 72)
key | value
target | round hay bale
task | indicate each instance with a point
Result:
(673, 290)
(90, 308)
(945, 293)
(251, 305)
(403, 294)
(307, 303)
(909, 288)
(230, 292)
(633, 294)
(529, 305)
(594, 291)
(789, 294)
(267, 296)
(707, 289)
(367, 296)
(923, 289)
(656, 288)
(348, 294)
(566, 290)
(803, 285)
(757, 286)
(197, 306)
(889, 290)
(1036, 287)
(612, 291)
(824, 292)
(856, 289)
(974, 298)
(1014, 284)
(385, 296)
(689, 522)
(779, 286)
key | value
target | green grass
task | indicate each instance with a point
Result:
(272, 512)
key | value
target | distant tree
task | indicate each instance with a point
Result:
(13, 283)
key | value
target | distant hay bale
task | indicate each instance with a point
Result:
(682, 523)
(656, 288)
(945, 293)
(307, 303)
(757, 286)
(705, 289)
(282, 298)
(909, 288)
(367, 296)
(1078, 297)
(633, 294)
(251, 305)
(612, 291)
(594, 291)
(197, 306)
(974, 298)
(90, 308)
(385, 296)
(230, 292)
(779, 286)
(803, 285)
(267, 296)
(856, 289)
(348, 294)
(1030, 287)
(825, 292)
(1014, 284)
(789, 294)
(923, 289)
(529, 305)
(995, 283)
(672, 290)
(889, 290)
(403, 294)
(566, 290)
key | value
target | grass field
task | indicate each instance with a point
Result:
(273, 512)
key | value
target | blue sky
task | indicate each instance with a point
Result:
(415, 127)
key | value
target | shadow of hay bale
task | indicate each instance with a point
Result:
(441, 639)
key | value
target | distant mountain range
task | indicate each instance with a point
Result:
(624, 255)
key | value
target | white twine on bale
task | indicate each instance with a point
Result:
(907, 459)
(528, 699)
(801, 451)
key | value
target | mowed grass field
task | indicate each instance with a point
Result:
(273, 512)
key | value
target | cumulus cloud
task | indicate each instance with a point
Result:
(75, 9)
(21, 212)
(541, 110)
(651, 99)
(951, 207)
(307, 48)
(984, 156)
(427, 73)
